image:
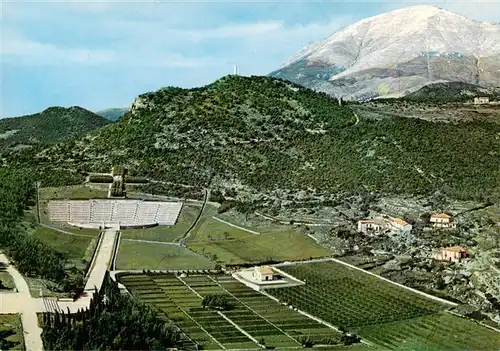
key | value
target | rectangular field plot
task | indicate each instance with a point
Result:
(143, 255)
(257, 317)
(350, 298)
(443, 331)
(383, 313)
(255, 248)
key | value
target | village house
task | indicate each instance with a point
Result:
(264, 273)
(481, 100)
(442, 220)
(453, 253)
(399, 224)
(375, 225)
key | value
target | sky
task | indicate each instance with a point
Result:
(102, 54)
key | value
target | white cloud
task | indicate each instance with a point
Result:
(18, 49)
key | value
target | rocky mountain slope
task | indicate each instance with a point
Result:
(49, 126)
(398, 52)
(257, 135)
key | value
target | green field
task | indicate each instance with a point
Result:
(187, 216)
(76, 248)
(381, 312)
(138, 255)
(254, 248)
(257, 315)
(210, 229)
(10, 324)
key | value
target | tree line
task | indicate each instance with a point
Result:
(31, 256)
(112, 322)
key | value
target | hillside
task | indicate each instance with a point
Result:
(398, 52)
(113, 114)
(452, 92)
(50, 126)
(258, 135)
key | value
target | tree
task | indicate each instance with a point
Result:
(216, 302)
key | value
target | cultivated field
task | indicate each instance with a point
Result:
(379, 311)
(437, 332)
(259, 318)
(134, 255)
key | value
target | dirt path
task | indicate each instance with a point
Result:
(22, 303)
(235, 226)
(152, 242)
(65, 232)
(188, 232)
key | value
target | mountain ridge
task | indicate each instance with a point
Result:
(259, 135)
(398, 52)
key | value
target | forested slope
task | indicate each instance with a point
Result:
(264, 134)
(52, 125)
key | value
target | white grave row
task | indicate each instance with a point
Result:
(125, 212)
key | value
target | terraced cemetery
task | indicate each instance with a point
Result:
(253, 319)
(379, 311)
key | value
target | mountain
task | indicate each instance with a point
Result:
(52, 125)
(113, 114)
(398, 52)
(260, 135)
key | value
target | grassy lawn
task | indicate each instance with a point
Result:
(186, 218)
(280, 245)
(6, 279)
(137, 256)
(210, 229)
(72, 192)
(71, 245)
(10, 324)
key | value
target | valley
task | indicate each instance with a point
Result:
(289, 201)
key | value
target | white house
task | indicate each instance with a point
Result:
(442, 220)
(453, 253)
(264, 273)
(481, 100)
(399, 224)
(371, 225)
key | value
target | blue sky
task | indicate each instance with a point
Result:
(99, 54)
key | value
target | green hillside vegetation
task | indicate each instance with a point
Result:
(451, 92)
(268, 134)
(113, 114)
(52, 125)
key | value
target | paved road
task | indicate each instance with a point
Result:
(101, 261)
(22, 303)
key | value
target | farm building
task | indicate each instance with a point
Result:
(481, 100)
(453, 253)
(264, 273)
(399, 224)
(442, 220)
(374, 225)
